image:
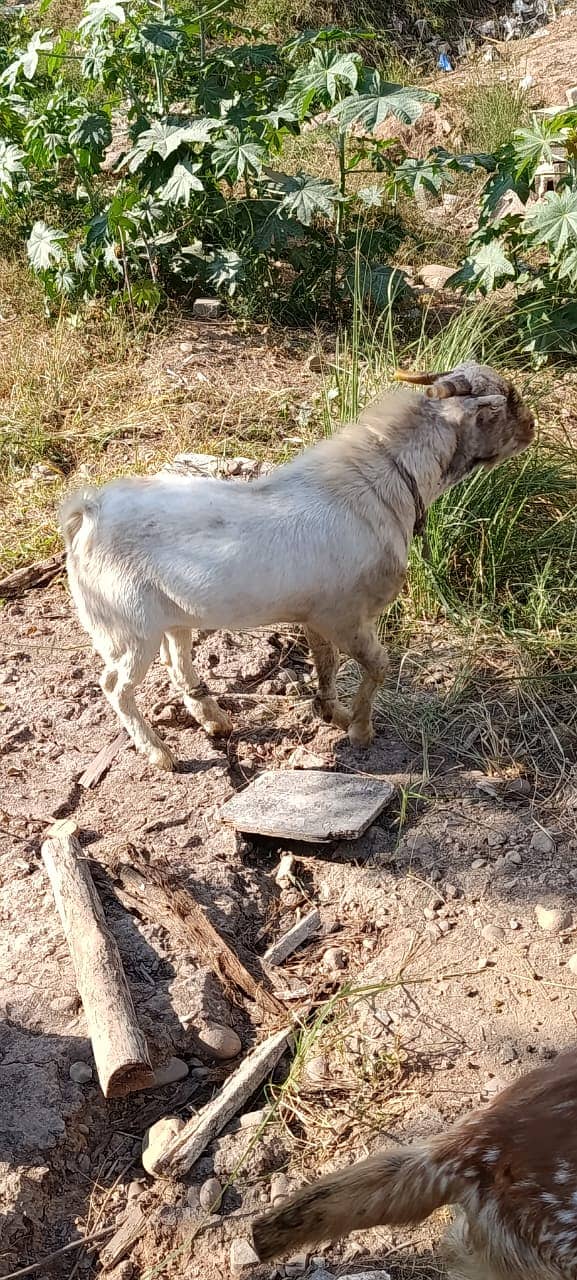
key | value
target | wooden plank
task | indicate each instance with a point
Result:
(293, 938)
(32, 575)
(119, 1047)
(98, 767)
(188, 1145)
(311, 805)
(150, 889)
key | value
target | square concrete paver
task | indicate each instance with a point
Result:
(308, 804)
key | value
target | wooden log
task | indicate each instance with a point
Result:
(119, 1047)
(32, 575)
(188, 1145)
(293, 938)
(175, 908)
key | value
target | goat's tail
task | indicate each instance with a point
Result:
(402, 1185)
(78, 510)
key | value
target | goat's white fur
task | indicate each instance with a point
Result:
(321, 541)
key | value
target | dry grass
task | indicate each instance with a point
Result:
(85, 397)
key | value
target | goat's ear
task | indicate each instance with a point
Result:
(488, 408)
(440, 386)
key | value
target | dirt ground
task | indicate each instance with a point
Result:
(443, 894)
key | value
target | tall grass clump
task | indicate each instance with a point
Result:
(492, 112)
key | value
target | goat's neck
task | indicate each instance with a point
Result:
(427, 457)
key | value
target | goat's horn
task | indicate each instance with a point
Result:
(423, 379)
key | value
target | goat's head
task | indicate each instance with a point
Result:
(492, 420)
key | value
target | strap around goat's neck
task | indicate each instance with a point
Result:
(412, 486)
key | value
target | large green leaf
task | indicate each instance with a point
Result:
(233, 158)
(304, 196)
(44, 246)
(11, 167)
(553, 221)
(487, 266)
(181, 184)
(320, 79)
(164, 139)
(92, 132)
(534, 145)
(383, 99)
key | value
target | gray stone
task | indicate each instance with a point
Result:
(313, 806)
(334, 960)
(242, 1255)
(508, 1052)
(496, 839)
(172, 1071)
(542, 842)
(80, 1072)
(210, 1195)
(157, 1139)
(207, 309)
(222, 1042)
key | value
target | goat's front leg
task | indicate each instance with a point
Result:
(176, 654)
(326, 660)
(364, 646)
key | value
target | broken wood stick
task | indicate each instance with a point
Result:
(118, 1044)
(32, 575)
(188, 1145)
(150, 889)
(102, 761)
(130, 1230)
(293, 938)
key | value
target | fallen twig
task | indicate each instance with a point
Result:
(53, 1257)
(97, 767)
(32, 575)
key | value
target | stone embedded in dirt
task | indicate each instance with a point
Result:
(297, 1265)
(186, 348)
(193, 1197)
(478, 864)
(314, 806)
(508, 1052)
(241, 1255)
(572, 963)
(280, 1188)
(434, 275)
(207, 309)
(65, 1004)
(210, 1194)
(157, 1139)
(334, 960)
(514, 924)
(172, 1071)
(492, 933)
(552, 919)
(222, 1042)
(316, 1069)
(496, 839)
(80, 1072)
(542, 842)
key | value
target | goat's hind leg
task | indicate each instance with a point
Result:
(326, 660)
(176, 654)
(118, 682)
(364, 645)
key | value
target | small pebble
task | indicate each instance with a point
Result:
(135, 1189)
(173, 1070)
(478, 864)
(492, 933)
(157, 1139)
(222, 1042)
(514, 924)
(508, 1052)
(334, 960)
(443, 925)
(552, 919)
(64, 1004)
(513, 857)
(482, 963)
(210, 1194)
(572, 963)
(80, 1072)
(297, 1265)
(193, 1197)
(542, 842)
(241, 1255)
(496, 839)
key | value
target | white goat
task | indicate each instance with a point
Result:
(322, 541)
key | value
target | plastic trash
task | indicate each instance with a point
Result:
(526, 83)
(444, 63)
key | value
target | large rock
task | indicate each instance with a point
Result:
(435, 275)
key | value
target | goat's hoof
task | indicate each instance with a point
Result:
(161, 758)
(218, 726)
(361, 735)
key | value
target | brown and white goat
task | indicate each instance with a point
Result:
(510, 1170)
(322, 541)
